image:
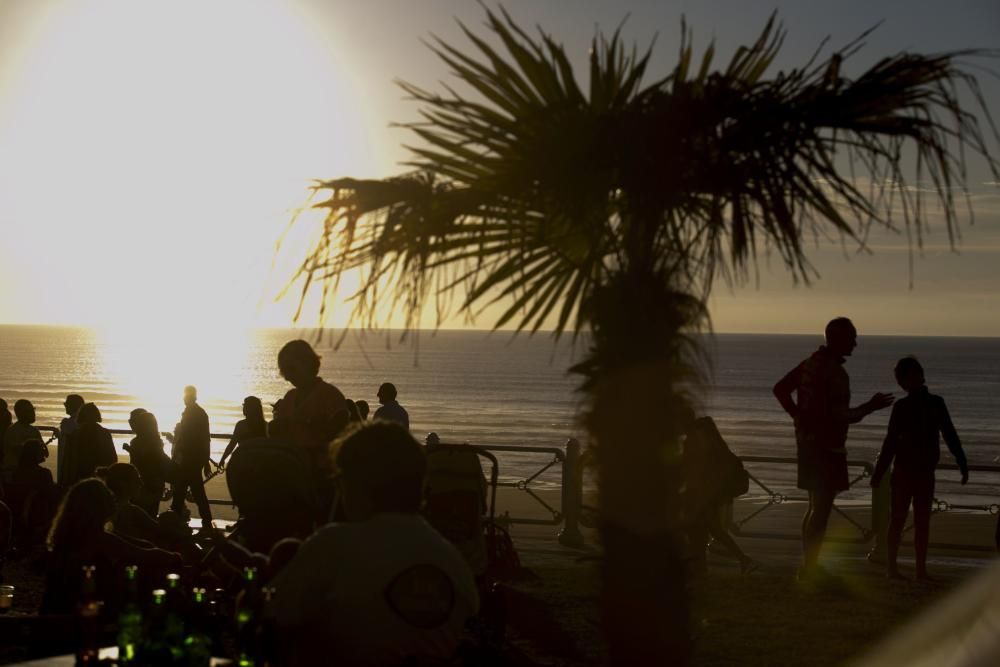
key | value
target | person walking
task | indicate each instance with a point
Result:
(913, 446)
(191, 441)
(822, 413)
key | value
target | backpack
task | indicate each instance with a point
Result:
(737, 480)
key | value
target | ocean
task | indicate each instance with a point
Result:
(488, 388)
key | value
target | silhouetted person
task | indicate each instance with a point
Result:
(191, 452)
(278, 427)
(391, 410)
(353, 414)
(67, 427)
(912, 445)
(78, 537)
(89, 447)
(146, 453)
(6, 419)
(17, 434)
(315, 410)
(383, 587)
(709, 468)
(822, 413)
(252, 426)
(363, 409)
(131, 521)
(32, 495)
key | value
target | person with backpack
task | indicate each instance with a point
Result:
(713, 477)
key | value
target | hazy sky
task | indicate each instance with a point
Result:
(150, 152)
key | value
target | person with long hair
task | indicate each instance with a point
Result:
(147, 454)
(252, 426)
(79, 537)
(90, 446)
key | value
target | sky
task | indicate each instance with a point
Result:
(151, 153)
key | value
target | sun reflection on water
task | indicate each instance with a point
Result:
(152, 366)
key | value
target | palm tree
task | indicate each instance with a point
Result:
(609, 211)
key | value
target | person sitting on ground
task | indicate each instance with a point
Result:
(385, 585)
(253, 426)
(713, 476)
(913, 446)
(315, 410)
(32, 495)
(147, 454)
(78, 537)
(363, 409)
(391, 410)
(67, 427)
(191, 453)
(90, 446)
(16, 435)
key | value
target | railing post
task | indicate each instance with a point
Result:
(572, 493)
(881, 501)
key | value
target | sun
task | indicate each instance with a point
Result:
(153, 153)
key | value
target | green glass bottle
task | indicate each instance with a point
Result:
(247, 618)
(198, 643)
(130, 626)
(173, 634)
(88, 617)
(155, 650)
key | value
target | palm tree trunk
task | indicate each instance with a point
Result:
(644, 596)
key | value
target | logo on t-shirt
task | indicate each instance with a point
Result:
(423, 596)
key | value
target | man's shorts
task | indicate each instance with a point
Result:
(820, 470)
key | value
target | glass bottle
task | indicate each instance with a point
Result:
(88, 616)
(130, 625)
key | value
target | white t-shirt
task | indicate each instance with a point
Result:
(376, 591)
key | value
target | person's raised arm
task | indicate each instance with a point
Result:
(889, 446)
(878, 401)
(784, 389)
(950, 436)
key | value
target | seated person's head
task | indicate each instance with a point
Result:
(123, 479)
(281, 554)
(24, 411)
(84, 511)
(381, 468)
(33, 453)
(363, 409)
(298, 362)
(89, 414)
(909, 373)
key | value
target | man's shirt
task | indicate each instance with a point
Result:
(377, 591)
(393, 412)
(823, 398)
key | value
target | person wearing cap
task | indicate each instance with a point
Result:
(383, 586)
(391, 410)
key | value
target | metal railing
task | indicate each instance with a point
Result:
(571, 463)
(567, 459)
